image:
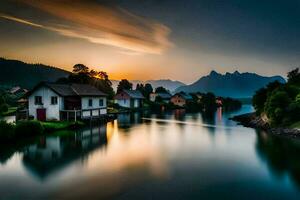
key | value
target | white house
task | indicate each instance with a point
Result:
(129, 99)
(52, 101)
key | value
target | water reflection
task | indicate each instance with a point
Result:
(155, 155)
(54, 153)
(282, 155)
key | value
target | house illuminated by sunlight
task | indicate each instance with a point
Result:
(52, 101)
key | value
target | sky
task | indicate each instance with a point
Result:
(154, 39)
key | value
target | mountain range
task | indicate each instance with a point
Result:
(18, 73)
(235, 85)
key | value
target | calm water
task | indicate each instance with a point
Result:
(155, 156)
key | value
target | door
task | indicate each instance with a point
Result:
(41, 114)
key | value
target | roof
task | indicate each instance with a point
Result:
(164, 95)
(135, 94)
(70, 89)
(86, 90)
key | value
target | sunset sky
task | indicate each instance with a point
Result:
(154, 39)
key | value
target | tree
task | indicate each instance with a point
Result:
(3, 105)
(275, 106)
(124, 84)
(80, 68)
(148, 90)
(82, 75)
(259, 100)
(209, 102)
(294, 77)
(161, 90)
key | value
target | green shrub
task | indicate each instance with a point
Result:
(276, 105)
(6, 131)
(3, 108)
(29, 128)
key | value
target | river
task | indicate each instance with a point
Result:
(172, 155)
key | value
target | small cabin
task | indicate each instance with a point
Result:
(181, 99)
(52, 101)
(129, 99)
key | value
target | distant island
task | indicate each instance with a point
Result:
(234, 85)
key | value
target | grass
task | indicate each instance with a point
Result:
(62, 133)
(60, 125)
(295, 125)
(11, 110)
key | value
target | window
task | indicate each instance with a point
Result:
(101, 103)
(90, 102)
(38, 100)
(53, 100)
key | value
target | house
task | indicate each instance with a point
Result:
(181, 99)
(129, 99)
(52, 101)
(17, 91)
(165, 97)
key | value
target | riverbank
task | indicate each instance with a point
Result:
(253, 121)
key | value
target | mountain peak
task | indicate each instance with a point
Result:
(231, 84)
(236, 72)
(213, 73)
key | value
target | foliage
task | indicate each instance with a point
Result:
(28, 128)
(3, 105)
(231, 104)
(280, 102)
(124, 84)
(275, 106)
(209, 102)
(161, 90)
(294, 77)
(83, 75)
(146, 89)
(60, 125)
(6, 131)
(259, 99)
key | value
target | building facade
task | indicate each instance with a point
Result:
(51, 101)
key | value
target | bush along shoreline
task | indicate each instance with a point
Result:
(277, 108)
(32, 128)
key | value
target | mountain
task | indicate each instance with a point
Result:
(17, 73)
(166, 83)
(236, 84)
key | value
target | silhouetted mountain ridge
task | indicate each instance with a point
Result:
(14, 72)
(236, 84)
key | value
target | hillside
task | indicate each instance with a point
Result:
(236, 85)
(14, 72)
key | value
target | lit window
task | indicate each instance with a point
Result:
(53, 100)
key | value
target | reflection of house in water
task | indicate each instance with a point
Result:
(129, 119)
(52, 154)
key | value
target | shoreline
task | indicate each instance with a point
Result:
(252, 121)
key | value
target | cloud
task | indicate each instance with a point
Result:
(99, 23)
